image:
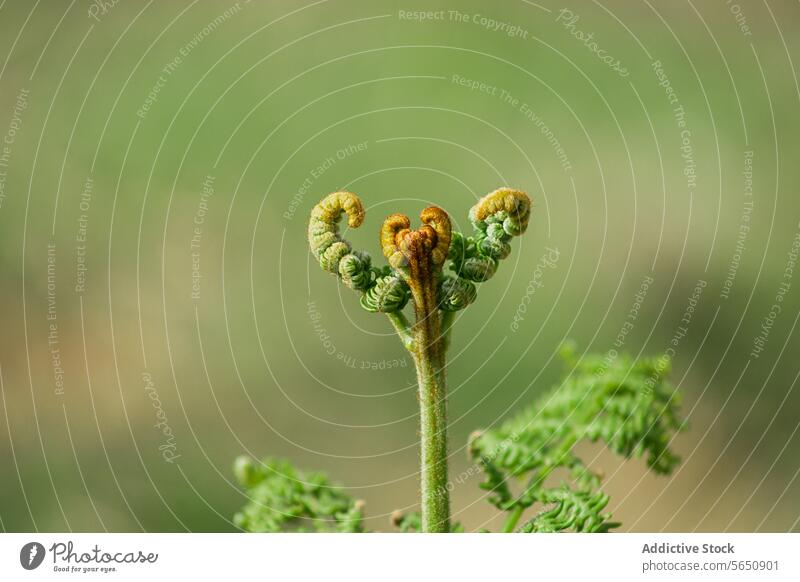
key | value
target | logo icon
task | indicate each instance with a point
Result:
(31, 555)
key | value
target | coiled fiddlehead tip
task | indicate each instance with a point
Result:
(389, 294)
(456, 293)
(392, 232)
(510, 207)
(478, 268)
(335, 203)
(439, 221)
(327, 246)
(355, 270)
(401, 245)
(495, 247)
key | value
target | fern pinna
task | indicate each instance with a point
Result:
(627, 405)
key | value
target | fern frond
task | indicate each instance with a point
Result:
(570, 509)
(627, 405)
(497, 218)
(283, 498)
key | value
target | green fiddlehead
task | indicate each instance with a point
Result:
(334, 253)
(355, 270)
(416, 259)
(507, 207)
(389, 293)
(456, 293)
(496, 218)
(381, 290)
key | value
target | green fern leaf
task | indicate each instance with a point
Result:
(627, 405)
(283, 498)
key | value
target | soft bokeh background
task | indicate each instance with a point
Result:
(271, 356)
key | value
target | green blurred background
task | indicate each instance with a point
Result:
(234, 119)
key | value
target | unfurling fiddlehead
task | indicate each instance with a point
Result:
(326, 244)
(416, 259)
(497, 217)
(436, 219)
(381, 291)
(394, 229)
(456, 293)
(419, 254)
(354, 269)
(282, 497)
(388, 294)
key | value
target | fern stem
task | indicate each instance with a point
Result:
(513, 518)
(536, 481)
(447, 323)
(416, 259)
(403, 329)
(428, 352)
(433, 432)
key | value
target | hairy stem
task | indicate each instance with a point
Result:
(418, 256)
(513, 518)
(429, 360)
(433, 430)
